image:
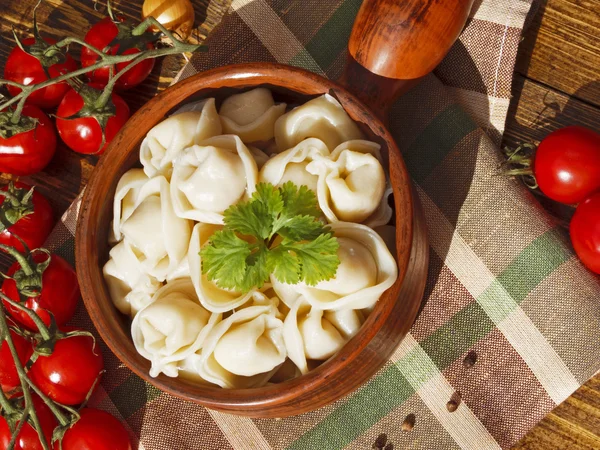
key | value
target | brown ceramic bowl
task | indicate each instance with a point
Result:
(399, 40)
(361, 357)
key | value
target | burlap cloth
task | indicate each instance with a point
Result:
(505, 290)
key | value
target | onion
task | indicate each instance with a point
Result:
(176, 15)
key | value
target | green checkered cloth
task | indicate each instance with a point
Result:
(509, 327)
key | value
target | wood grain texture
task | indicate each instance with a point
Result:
(558, 63)
(562, 48)
(406, 40)
(360, 358)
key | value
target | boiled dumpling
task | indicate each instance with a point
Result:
(128, 188)
(211, 296)
(210, 177)
(173, 326)
(352, 181)
(383, 214)
(130, 287)
(157, 236)
(244, 350)
(313, 334)
(290, 165)
(166, 140)
(367, 269)
(323, 118)
(251, 115)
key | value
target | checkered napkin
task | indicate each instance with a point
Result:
(510, 324)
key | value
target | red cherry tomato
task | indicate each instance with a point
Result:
(585, 232)
(100, 36)
(28, 438)
(33, 217)
(29, 152)
(567, 164)
(60, 293)
(68, 374)
(9, 379)
(26, 69)
(95, 430)
(84, 135)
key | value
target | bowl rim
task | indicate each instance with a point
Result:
(252, 401)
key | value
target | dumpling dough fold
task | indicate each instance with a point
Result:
(251, 115)
(168, 138)
(290, 165)
(157, 236)
(210, 177)
(322, 117)
(130, 287)
(351, 183)
(244, 350)
(367, 269)
(173, 326)
(313, 334)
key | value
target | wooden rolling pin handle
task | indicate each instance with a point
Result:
(394, 43)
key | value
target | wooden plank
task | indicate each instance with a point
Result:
(562, 48)
(536, 110)
(575, 424)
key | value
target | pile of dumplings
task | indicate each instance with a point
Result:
(197, 163)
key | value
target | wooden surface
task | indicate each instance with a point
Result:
(361, 357)
(557, 84)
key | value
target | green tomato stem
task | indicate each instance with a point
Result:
(14, 201)
(19, 257)
(73, 40)
(178, 47)
(22, 422)
(16, 117)
(4, 331)
(39, 323)
(62, 419)
(12, 83)
(4, 402)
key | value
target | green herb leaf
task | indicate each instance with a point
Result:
(284, 265)
(299, 201)
(283, 236)
(318, 259)
(224, 259)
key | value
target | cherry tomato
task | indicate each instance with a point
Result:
(9, 379)
(585, 232)
(84, 135)
(26, 69)
(29, 152)
(95, 430)
(28, 438)
(59, 294)
(31, 218)
(101, 36)
(68, 374)
(567, 164)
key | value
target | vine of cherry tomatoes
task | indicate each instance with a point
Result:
(566, 167)
(86, 124)
(41, 292)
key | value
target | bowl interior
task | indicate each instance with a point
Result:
(357, 360)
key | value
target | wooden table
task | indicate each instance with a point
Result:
(556, 84)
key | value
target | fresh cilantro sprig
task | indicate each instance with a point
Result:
(278, 231)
